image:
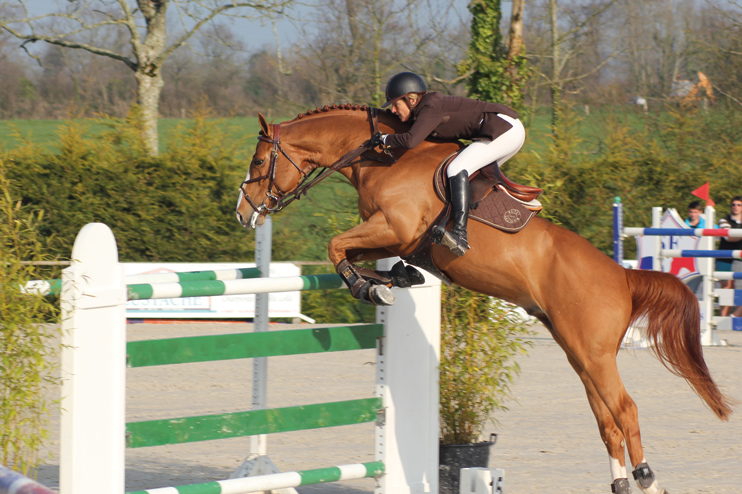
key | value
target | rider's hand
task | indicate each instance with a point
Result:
(377, 140)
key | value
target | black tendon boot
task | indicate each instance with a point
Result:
(367, 291)
(456, 238)
(621, 486)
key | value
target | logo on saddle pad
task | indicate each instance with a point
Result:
(512, 216)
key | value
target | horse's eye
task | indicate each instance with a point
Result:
(257, 162)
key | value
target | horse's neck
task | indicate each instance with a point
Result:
(327, 137)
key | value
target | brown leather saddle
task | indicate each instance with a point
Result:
(495, 201)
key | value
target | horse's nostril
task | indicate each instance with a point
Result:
(239, 218)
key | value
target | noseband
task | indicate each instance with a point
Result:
(276, 201)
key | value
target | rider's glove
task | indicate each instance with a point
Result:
(377, 140)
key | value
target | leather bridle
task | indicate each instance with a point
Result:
(276, 201)
(273, 201)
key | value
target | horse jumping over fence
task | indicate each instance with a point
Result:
(586, 300)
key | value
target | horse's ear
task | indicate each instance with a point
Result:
(263, 125)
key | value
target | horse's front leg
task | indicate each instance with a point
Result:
(371, 240)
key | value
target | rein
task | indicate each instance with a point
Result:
(275, 202)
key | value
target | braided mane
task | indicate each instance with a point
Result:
(327, 108)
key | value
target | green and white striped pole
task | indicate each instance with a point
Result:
(54, 287)
(43, 287)
(276, 480)
(233, 287)
(221, 274)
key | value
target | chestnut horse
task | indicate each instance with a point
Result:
(586, 300)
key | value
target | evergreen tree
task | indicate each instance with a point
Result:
(493, 76)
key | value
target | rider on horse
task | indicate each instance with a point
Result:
(495, 130)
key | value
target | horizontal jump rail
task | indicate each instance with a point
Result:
(220, 274)
(234, 287)
(729, 297)
(14, 483)
(727, 275)
(723, 254)
(43, 287)
(146, 353)
(251, 423)
(727, 323)
(685, 232)
(277, 480)
(54, 287)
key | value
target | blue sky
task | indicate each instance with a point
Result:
(254, 33)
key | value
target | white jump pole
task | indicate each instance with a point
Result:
(93, 366)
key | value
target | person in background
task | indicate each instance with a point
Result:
(732, 220)
(694, 219)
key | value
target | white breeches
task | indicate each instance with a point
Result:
(479, 154)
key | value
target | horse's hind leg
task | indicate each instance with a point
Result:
(609, 432)
(607, 386)
(614, 410)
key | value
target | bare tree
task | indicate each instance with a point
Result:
(82, 25)
(715, 47)
(653, 36)
(372, 39)
(574, 34)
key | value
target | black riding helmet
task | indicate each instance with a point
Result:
(401, 84)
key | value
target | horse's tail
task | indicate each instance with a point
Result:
(673, 326)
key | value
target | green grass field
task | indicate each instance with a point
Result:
(591, 128)
(45, 132)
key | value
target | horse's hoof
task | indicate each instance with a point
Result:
(381, 295)
(416, 277)
(621, 486)
(405, 276)
(400, 276)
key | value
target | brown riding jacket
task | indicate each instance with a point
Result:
(453, 117)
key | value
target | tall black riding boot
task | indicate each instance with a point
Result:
(456, 239)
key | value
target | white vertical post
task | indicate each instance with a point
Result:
(263, 251)
(656, 240)
(407, 380)
(478, 480)
(93, 366)
(706, 267)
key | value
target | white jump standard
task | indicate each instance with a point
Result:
(94, 433)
